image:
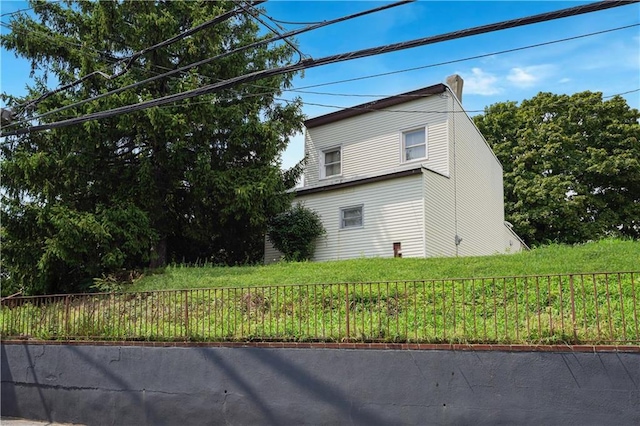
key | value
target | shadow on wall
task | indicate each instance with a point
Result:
(8, 393)
(323, 399)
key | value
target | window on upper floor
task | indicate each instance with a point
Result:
(351, 217)
(331, 162)
(414, 144)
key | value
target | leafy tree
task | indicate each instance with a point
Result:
(190, 181)
(571, 165)
(294, 232)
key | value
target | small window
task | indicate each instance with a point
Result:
(414, 144)
(351, 217)
(331, 162)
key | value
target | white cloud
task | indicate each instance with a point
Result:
(564, 80)
(480, 83)
(528, 76)
(520, 77)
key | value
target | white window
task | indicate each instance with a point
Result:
(414, 144)
(331, 162)
(351, 217)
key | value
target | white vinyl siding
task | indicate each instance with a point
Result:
(439, 223)
(393, 212)
(479, 191)
(371, 142)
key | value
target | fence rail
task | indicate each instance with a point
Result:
(572, 308)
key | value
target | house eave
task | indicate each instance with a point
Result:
(373, 106)
(357, 182)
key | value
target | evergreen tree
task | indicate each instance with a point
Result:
(192, 181)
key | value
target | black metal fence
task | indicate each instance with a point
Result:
(572, 308)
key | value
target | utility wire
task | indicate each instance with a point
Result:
(453, 61)
(98, 53)
(256, 15)
(302, 89)
(366, 108)
(15, 12)
(623, 93)
(311, 63)
(132, 58)
(220, 56)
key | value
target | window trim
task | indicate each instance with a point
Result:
(403, 149)
(323, 165)
(341, 226)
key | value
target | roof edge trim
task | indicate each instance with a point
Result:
(379, 104)
(357, 182)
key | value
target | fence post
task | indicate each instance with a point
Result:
(347, 311)
(573, 309)
(186, 313)
(66, 316)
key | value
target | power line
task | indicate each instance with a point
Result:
(279, 21)
(409, 111)
(132, 58)
(222, 55)
(256, 16)
(15, 12)
(623, 93)
(311, 63)
(302, 89)
(100, 53)
(97, 53)
(365, 108)
(469, 58)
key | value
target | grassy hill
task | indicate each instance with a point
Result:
(600, 308)
(600, 256)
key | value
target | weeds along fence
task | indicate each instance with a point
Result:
(579, 308)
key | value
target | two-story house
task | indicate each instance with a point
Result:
(408, 175)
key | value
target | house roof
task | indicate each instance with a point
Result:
(356, 182)
(375, 105)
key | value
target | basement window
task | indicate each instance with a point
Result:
(351, 217)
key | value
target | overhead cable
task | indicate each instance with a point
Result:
(15, 12)
(255, 15)
(223, 55)
(453, 61)
(311, 63)
(132, 58)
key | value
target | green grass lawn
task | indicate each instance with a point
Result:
(399, 300)
(601, 256)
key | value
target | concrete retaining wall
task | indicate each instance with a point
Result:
(123, 385)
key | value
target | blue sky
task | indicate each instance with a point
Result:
(609, 63)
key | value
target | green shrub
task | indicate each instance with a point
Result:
(294, 232)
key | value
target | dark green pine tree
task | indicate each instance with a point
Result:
(571, 166)
(192, 181)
